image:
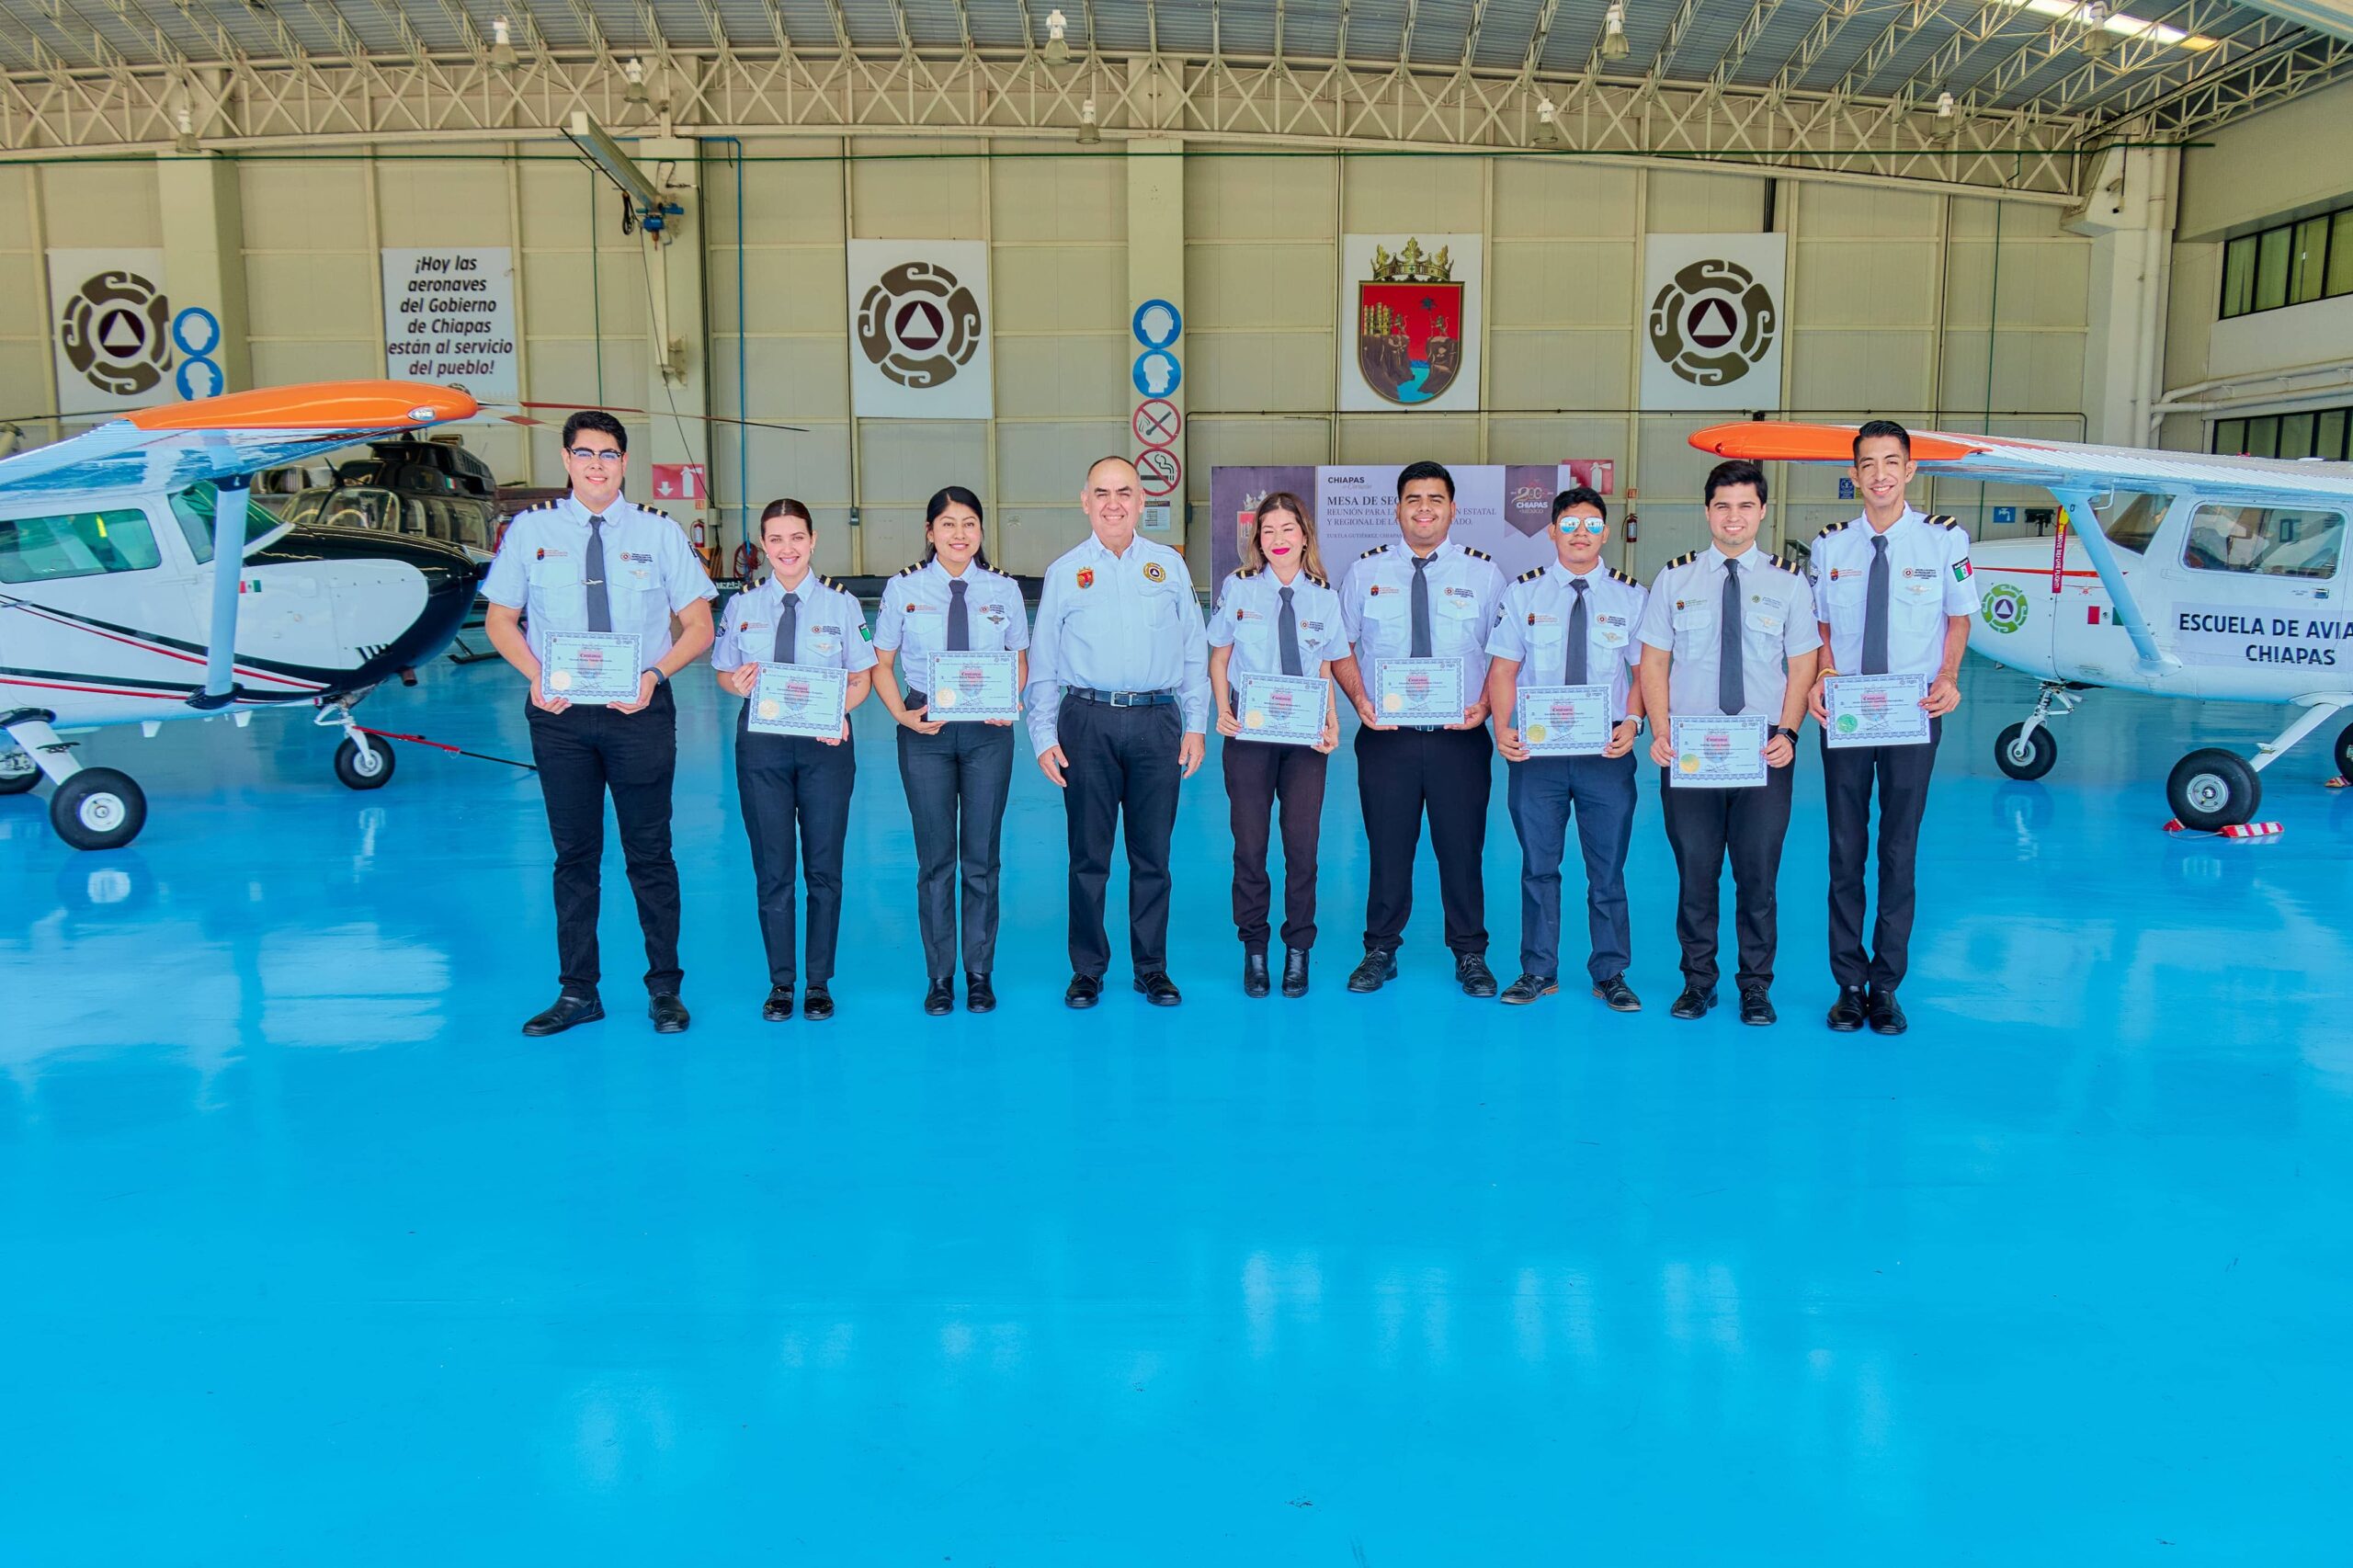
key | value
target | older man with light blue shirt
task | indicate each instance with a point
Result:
(1118, 709)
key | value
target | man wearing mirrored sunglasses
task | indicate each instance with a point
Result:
(592, 562)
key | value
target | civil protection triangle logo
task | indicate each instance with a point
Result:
(1409, 324)
(1713, 322)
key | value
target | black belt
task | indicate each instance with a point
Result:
(1119, 699)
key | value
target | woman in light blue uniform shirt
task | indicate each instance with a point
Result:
(956, 775)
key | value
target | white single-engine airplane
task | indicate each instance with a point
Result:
(2169, 572)
(115, 608)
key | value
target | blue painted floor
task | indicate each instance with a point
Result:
(311, 1258)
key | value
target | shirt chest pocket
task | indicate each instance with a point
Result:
(1546, 640)
(1694, 619)
(1921, 597)
(1767, 618)
(1161, 612)
(1455, 626)
(630, 585)
(557, 596)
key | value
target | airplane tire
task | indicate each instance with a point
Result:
(2031, 758)
(99, 808)
(18, 771)
(2344, 752)
(372, 771)
(2214, 789)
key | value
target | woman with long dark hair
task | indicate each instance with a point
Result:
(956, 774)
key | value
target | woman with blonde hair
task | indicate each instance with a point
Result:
(1279, 616)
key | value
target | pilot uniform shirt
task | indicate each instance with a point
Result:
(651, 571)
(913, 620)
(1533, 628)
(1249, 621)
(1929, 578)
(1112, 622)
(1465, 587)
(828, 627)
(1777, 624)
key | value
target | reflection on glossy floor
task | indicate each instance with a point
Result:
(311, 1258)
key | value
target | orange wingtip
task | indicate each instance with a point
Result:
(320, 406)
(1764, 440)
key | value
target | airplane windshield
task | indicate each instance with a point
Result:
(2131, 521)
(194, 507)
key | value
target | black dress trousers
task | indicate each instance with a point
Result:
(1706, 828)
(1901, 774)
(1122, 772)
(1258, 775)
(583, 752)
(795, 794)
(1401, 775)
(955, 782)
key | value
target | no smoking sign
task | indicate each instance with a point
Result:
(1160, 471)
(1157, 423)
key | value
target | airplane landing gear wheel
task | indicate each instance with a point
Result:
(97, 809)
(18, 772)
(2022, 756)
(2344, 752)
(2214, 789)
(371, 770)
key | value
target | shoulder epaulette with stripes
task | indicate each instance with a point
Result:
(1376, 550)
(1530, 576)
(1789, 563)
(834, 583)
(1314, 579)
(659, 513)
(1617, 576)
(1244, 573)
(910, 571)
(1833, 527)
(1685, 559)
(1477, 554)
(1942, 521)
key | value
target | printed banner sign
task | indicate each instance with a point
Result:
(449, 319)
(1504, 509)
(112, 332)
(919, 329)
(1409, 321)
(1713, 324)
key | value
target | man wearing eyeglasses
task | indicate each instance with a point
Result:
(1571, 623)
(593, 563)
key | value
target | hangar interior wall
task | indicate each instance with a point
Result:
(1963, 312)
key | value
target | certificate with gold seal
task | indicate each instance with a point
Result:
(1717, 752)
(1875, 710)
(1287, 709)
(798, 700)
(972, 686)
(1563, 720)
(1418, 691)
(591, 667)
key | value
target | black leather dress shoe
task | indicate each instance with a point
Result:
(1471, 973)
(1528, 988)
(1377, 971)
(1848, 1013)
(1256, 982)
(669, 1014)
(777, 1008)
(1294, 972)
(979, 996)
(1159, 990)
(1693, 1004)
(1887, 1014)
(940, 999)
(567, 1011)
(816, 1003)
(1756, 1008)
(1084, 991)
(1618, 993)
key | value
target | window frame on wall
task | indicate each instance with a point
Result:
(2295, 263)
(2324, 432)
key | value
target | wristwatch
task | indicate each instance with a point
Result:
(660, 676)
(1785, 729)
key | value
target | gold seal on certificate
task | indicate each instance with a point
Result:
(1717, 752)
(1287, 709)
(974, 686)
(1563, 720)
(798, 700)
(590, 668)
(1418, 691)
(1875, 710)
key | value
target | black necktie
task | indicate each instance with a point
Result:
(1875, 611)
(1730, 694)
(1287, 629)
(600, 606)
(787, 622)
(1421, 646)
(1573, 667)
(959, 625)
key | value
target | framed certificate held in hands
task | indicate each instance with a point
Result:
(591, 667)
(1287, 709)
(1718, 753)
(1875, 710)
(1563, 720)
(1418, 691)
(798, 700)
(974, 686)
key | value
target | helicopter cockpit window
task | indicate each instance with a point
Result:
(84, 544)
(193, 508)
(2269, 541)
(2131, 521)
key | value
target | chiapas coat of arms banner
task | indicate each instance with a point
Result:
(1409, 328)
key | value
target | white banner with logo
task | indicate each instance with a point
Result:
(919, 330)
(449, 319)
(1409, 321)
(111, 332)
(1713, 321)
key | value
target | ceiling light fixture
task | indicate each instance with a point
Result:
(2098, 39)
(184, 140)
(1057, 38)
(1613, 32)
(635, 71)
(1088, 136)
(502, 46)
(1946, 106)
(1547, 124)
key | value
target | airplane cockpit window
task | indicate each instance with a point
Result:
(193, 507)
(2131, 521)
(2270, 541)
(84, 544)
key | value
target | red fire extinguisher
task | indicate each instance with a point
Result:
(698, 537)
